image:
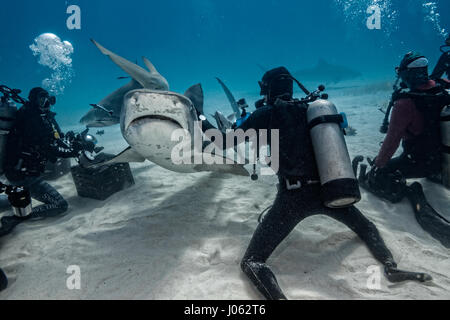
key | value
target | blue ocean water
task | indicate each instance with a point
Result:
(193, 41)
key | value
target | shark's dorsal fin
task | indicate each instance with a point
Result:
(148, 80)
(195, 94)
(150, 65)
(231, 98)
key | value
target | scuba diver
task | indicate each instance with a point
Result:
(34, 140)
(416, 121)
(300, 193)
(443, 65)
(243, 105)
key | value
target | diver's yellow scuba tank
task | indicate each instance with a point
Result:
(340, 188)
(8, 112)
(445, 134)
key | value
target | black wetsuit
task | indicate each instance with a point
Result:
(297, 163)
(35, 140)
(442, 67)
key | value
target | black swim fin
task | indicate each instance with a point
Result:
(263, 279)
(395, 275)
(428, 218)
(3, 280)
(8, 223)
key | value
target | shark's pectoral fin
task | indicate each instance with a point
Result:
(127, 156)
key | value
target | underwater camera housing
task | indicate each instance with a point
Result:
(8, 110)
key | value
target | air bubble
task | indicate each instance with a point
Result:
(56, 55)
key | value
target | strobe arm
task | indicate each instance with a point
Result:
(12, 94)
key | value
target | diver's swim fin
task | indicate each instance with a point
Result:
(3, 280)
(263, 279)
(8, 223)
(395, 275)
(428, 218)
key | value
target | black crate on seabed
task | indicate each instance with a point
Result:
(101, 183)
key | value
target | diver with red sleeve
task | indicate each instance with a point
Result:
(416, 124)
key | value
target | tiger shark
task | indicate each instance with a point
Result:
(152, 114)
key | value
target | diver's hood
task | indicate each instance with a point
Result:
(41, 98)
(35, 93)
(413, 70)
(277, 81)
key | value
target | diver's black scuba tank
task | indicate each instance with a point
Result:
(8, 112)
(340, 188)
(445, 134)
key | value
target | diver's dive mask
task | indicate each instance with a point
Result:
(45, 101)
(281, 86)
(446, 47)
(413, 70)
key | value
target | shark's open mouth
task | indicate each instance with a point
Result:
(153, 118)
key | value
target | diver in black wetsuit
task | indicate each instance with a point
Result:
(299, 194)
(443, 65)
(35, 139)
